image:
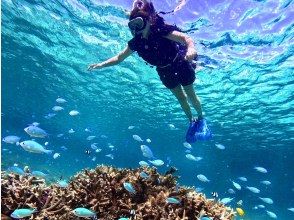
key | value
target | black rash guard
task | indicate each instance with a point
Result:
(156, 50)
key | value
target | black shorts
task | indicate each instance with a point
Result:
(179, 73)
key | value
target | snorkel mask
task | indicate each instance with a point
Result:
(137, 24)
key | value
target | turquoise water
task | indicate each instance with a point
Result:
(247, 94)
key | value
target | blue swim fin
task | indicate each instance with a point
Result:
(198, 131)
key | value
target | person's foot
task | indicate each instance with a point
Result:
(193, 120)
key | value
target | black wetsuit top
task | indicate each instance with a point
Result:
(156, 50)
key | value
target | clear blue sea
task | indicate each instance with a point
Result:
(246, 88)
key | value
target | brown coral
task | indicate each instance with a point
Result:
(102, 191)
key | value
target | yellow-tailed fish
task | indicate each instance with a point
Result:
(240, 211)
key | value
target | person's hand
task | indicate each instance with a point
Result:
(94, 66)
(191, 54)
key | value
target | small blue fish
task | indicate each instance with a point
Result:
(94, 146)
(226, 200)
(110, 156)
(16, 170)
(34, 147)
(60, 100)
(148, 140)
(168, 159)
(35, 124)
(59, 135)
(144, 175)
(123, 218)
(87, 130)
(35, 131)
(137, 138)
(172, 200)
(74, 113)
(146, 151)
(49, 115)
(63, 148)
(143, 163)
(11, 139)
(187, 145)
(271, 214)
(83, 212)
(266, 182)
(192, 157)
(91, 137)
(171, 126)
(71, 131)
(203, 178)
(57, 108)
(253, 189)
(156, 162)
(39, 174)
(267, 200)
(260, 169)
(205, 218)
(231, 191)
(220, 146)
(236, 185)
(98, 150)
(242, 178)
(22, 213)
(129, 187)
(62, 183)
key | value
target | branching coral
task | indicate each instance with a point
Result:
(102, 191)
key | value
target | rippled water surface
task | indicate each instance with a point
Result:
(246, 89)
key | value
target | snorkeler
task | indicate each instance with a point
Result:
(165, 47)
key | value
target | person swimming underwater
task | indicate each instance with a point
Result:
(165, 47)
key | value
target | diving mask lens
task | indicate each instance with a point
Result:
(137, 24)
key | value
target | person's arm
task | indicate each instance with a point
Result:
(112, 61)
(184, 39)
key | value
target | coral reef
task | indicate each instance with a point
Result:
(102, 191)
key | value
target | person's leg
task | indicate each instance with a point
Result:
(189, 89)
(182, 98)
